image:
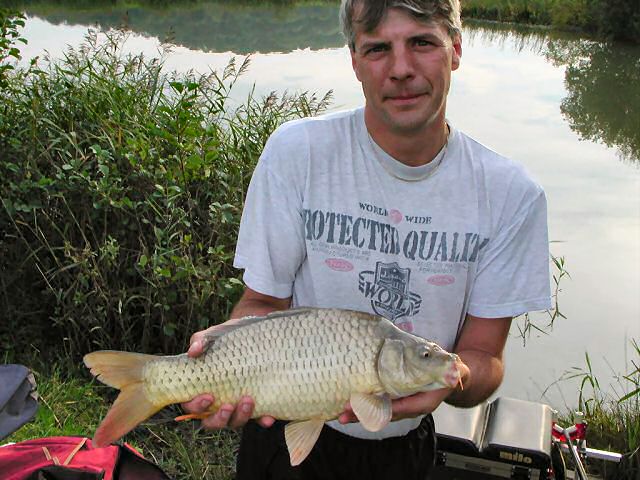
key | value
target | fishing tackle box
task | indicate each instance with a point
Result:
(507, 438)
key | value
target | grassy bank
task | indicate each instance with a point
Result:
(70, 404)
(120, 195)
(612, 414)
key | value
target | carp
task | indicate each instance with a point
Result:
(301, 365)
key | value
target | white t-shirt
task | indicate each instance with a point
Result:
(334, 221)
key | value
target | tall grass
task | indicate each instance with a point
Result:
(613, 419)
(121, 192)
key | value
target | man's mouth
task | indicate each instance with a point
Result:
(404, 96)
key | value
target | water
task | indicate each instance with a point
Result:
(565, 106)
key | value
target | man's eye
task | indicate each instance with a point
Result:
(377, 49)
(423, 43)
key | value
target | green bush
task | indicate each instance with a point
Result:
(121, 192)
(571, 13)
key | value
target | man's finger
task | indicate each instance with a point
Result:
(195, 348)
(266, 422)
(220, 419)
(242, 413)
(199, 404)
(347, 416)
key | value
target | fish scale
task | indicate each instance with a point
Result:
(292, 375)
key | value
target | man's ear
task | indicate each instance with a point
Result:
(457, 52)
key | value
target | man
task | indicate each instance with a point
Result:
(389, 209)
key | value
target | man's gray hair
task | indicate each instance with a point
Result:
(373, 11)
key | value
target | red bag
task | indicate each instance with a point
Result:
(73, 458)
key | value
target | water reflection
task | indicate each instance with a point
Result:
(214, 26)
(603, 86)
(602, 81)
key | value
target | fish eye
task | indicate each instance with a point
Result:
(425, 354)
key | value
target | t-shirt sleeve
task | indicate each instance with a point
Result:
(513, 271)
(270, 246)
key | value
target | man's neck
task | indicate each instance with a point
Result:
(413, 148)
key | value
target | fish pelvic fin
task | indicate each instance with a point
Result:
(122, 370)
(301, 436)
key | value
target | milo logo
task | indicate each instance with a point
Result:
(388, 290)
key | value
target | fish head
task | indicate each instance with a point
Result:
(410, 364)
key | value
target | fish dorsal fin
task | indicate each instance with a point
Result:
(301, 437)
(373, 411)
(291, 312)
(227, 327)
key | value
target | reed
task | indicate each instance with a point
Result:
(612, 414)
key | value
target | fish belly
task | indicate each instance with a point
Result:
(295, 369)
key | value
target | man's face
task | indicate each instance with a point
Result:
(405, 70)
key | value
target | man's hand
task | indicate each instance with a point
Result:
(228, 415)
(414, 405)
(406, 407)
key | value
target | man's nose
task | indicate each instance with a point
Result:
(401, 64)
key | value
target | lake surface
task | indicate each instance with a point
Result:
(565, 106)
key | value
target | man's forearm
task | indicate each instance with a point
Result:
(254, 304)
(485, 375)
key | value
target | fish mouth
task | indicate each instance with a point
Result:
(452, 376)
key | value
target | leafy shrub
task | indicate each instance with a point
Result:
(121, 193)
(10, 23)
(571, 13)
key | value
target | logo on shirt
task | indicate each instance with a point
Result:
(388, 290)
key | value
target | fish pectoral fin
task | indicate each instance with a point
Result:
(301, 437)
(373, 411)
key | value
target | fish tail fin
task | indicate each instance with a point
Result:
(122, 370)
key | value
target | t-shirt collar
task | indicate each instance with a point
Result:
(398, 169)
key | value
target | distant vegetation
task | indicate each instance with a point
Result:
(614, 19)
(611, 19)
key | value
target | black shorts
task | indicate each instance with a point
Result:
(263, 455)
